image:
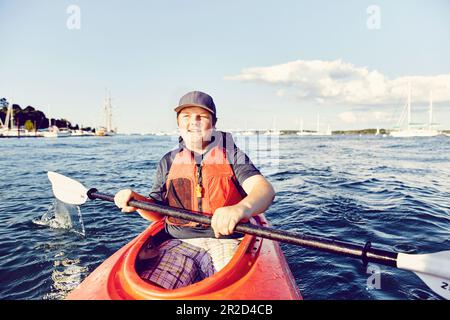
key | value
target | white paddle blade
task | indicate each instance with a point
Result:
(67, 190)
(432, 268)
(439, 285)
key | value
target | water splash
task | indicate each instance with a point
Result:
(65, 216)
(66, 276)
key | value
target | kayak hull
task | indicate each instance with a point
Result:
(257, 271)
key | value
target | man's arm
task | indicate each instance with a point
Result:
(122, 197)
(260, 195)
(121, 200)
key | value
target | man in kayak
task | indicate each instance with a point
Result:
(206, 173)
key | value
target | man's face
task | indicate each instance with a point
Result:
(195, 126)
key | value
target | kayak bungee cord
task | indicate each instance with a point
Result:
(433, 268)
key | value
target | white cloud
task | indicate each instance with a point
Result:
(365, 118)
(382, 116)
(348, 117)
(338, 82)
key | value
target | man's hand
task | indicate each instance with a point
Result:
(260, 195)
(224, 219)
(121, 200)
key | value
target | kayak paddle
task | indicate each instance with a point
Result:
(432, 268)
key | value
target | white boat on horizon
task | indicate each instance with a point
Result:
(107, 130)
(19, 133)
(274, 131)
(55, 132)
(81, 133)
(9, 129)
(415, 129)
(302, 132)
(248, 133)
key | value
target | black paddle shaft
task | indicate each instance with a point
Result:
(365, 253)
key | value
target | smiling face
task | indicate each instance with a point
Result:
(196, 126)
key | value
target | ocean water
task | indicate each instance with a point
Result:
(393, 192)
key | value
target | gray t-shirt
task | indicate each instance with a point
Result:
(242, 167)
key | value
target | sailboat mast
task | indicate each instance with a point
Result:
(1, 122)
(430, 120)
(108, 112)
(409, 105)
(105, 109)
(8, 115)
(11, 117)
(318, 123)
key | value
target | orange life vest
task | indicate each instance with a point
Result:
(201, 187)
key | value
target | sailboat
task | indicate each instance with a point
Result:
(247, 132)
(81, 133)
(273, 131)
(4, 127)
(107, 130)
(414, 129)
(9, 130)
(314, 133)
(54, 131)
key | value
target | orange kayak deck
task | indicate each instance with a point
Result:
(257, 271)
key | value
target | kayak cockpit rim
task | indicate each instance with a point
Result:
(137, 288)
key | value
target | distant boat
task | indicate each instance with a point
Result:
(314, 133)
(273, 131)
(414, 133)
(81, 133)
(9, 130)
(409, 129)
(160, 133)
(248, 133)
(104, 132)
(55, 132)
(16, 133)
(107, 130)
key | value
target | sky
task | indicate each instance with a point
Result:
(266, 63)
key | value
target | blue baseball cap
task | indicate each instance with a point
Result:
(197, 99)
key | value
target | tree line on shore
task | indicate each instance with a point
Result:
(33, 119)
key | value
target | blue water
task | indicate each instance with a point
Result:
(393, 192)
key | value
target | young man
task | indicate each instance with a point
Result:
(206, 173)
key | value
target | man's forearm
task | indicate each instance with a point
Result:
(258, 200)
(152, 215)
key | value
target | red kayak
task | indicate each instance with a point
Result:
(257, 271)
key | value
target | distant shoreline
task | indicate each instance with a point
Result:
(282, 132)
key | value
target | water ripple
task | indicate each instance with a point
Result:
(392, 192)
